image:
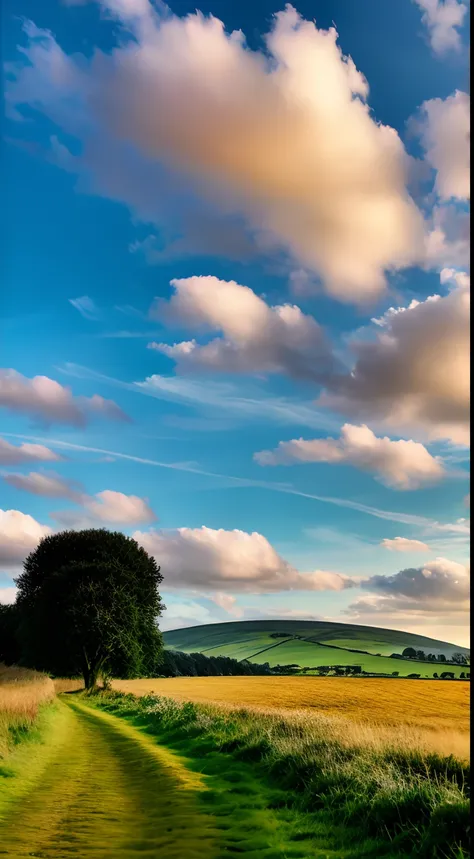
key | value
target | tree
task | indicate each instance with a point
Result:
(459, 659)
(441, 657)
(420, 654)
(409, 653)
(88, 603)
(9, 645)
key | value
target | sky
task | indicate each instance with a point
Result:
(235, 314)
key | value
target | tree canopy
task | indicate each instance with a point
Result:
(88, 603)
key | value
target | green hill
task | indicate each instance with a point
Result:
(310, 644)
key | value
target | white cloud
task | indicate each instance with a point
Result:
(107, 507)
(443, 19)
(50, 402)
(447, 241)
(228, 603)
(467, 500)
(206, 560)
(404, 544)
(86, 307)
(46, 484)
(415, 374)
(455, 278)
(399, 464)
(19, 535)
(11, 454)
(7, 595)
(257, 338)
(444, 129)
(285, 137)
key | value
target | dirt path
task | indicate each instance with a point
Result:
(109, 791)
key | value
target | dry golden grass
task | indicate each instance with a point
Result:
(22, 692)
(67, 684)
(432, 715)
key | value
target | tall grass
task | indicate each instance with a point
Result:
(22, 693)
(381, 788)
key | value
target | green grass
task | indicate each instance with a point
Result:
(332, 799)
(253, 640)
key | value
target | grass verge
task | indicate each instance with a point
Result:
(381, 799)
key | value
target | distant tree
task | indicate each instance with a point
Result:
(9, 646)
(413, 676)
(420, 654)
(409, 653)
(435, 674)
(395, 673)
(459, 659)
(447, 675)
(441, 657)
(462, 675)
(88, 602)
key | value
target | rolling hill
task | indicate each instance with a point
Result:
(310, 644)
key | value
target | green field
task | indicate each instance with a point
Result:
(312, 644)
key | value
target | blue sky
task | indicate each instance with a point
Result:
(169, 183)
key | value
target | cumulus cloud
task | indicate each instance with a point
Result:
(439, 584)
(404, 544)
(16, 454)
(433, 598)
(86, 307)
(399, 464)
(256, 337)
(107, 507)
(209, 560)
(415, 373)
(285, 138)
(447, 240)
(443, 19)
(444, 129)
(48, 401)
(19, 535)
(48, 485)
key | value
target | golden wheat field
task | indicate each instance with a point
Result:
(431, 705)
(22, 692)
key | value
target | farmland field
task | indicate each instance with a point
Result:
(431, 705)
(313, 644)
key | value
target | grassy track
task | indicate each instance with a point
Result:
(107, 791)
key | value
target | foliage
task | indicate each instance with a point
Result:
(9, 644)
(88, 602)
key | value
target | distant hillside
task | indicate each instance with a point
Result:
(310, 644)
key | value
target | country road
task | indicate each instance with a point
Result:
(108, 790)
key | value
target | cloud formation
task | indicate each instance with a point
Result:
(17, 454)
(256, 337)
(48, 401)
(404, 544)
(415, 374)
(206, 560)
(86, 307)
(399, 464)
(285, 138)
(439, 584)
(46, 484)
(107, 507)
(444, 129)
(19, 535)
(448, 240)
(443, 18)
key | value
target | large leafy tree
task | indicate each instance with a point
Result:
(88, 603)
